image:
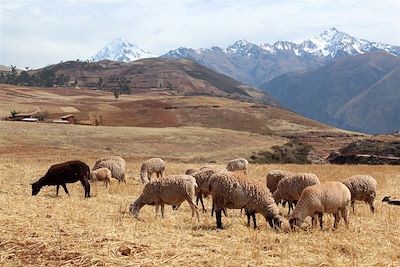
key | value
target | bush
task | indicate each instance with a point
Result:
(292, 152)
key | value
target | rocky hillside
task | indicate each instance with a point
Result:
(358, 93)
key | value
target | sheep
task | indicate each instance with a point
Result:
(115, 164)
(363, 188)
(172, 190)
(63, 173)
(237, 165)
(203, 179)
(274, 177)
(190, 171)
(290, 187)
(232, 191)
(102, 174)
(328, 197)
(391, 201)
(150, 166)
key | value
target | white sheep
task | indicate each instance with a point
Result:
(150, 166)
(172, 190)
(239, 164)
(327, 197)
(232, 191)
(290, 187)
(102, 174)
(362, 188)
(115, 164)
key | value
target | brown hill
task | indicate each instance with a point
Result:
(158, 109)
(163, 76)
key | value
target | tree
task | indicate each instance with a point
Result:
(116, 93)
(13, 113)
(100, 83)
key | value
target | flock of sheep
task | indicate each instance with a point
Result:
(228, 187)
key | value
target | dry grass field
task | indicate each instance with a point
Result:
(72, 231)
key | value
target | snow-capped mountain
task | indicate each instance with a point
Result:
(121, 50)
(255, 64)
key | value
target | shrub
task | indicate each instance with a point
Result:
(292, 152)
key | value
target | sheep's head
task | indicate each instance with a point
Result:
(35, 189)
(295, 222)
(277, 197)
(144, 177)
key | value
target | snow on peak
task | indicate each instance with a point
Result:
(242, 47)
(121, 50)
(333, 43)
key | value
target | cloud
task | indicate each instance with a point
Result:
(37, 33)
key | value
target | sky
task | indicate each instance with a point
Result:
(37, 33)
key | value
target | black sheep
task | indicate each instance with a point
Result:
(63, 173)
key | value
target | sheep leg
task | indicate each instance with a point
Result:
(225, 212)
(352, 204)
(371, 206)
(194, 209)
(202, 203)
(345, 214)
(156, 210)
(162, 211)
(65, 188)
(248, 217)
(57, 188)
(218, 215)
(320, 215)
(253, 214)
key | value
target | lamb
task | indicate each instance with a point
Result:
(391, 201)
(238, 165)
(328, 197)
(115, 164)
(290, 187)
(232, 191)
(172, 190)
(363, 188)
(150, 166)
(102, 174)
(203, 179)
(63, 173)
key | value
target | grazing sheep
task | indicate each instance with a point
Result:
(102, 174)
(290, 187)
(150, 166)
(362, 188)
(274, 177)
(115, 164)
(190, 171)
(239, 164)
(203, 179)
(327, 197)
(172, 190)
(63, 173)
(391, 201)
(229, 190)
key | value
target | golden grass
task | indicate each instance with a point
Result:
(71, 230)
